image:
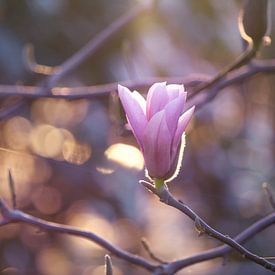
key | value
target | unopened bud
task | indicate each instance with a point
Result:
(254, 21)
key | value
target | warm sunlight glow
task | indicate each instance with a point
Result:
(16, 133)
(91, 221)
(60, 112)
(76, 153)
(126, 155)
(104, 170)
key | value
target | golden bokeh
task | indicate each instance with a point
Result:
(16, 133)
(62, 113)
(47, 199)
(125, 155)
(52, 261)
(92, 221)
(76, 153)
(104, 170)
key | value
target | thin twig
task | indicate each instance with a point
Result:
(108, 265)
(12, 215)
(87, 92)
(147, 248)
(94, 44)
(241, 60)
(166, 197)
(12, 190)
(32, 65)
(102, 90)
(222, 250)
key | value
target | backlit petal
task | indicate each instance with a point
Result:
(173, 110)
(174, 90)
(134, 109)
(157, 98)
(182, 124)
(157, 146)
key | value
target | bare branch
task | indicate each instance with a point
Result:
(103, 90)
(97, 90)
(166, 197)
(108, 265)
(32, 65)
(12, 189)
(94, 44)
(11, 215)
(221, 251)
(150, 253)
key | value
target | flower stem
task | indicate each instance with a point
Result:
(159, 184)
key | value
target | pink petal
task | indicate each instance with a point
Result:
(140, 99)
(182, 124)
(174, 90)
(135, 111)
(157, 98)
(173, 110)
(157, 146)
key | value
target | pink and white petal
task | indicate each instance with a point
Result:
(134, 112)
(157, 98)
(174, 90)
(173, 111)
(157, 146)
(182, 124)
(140, 99)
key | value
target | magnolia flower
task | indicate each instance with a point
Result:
(158, 125)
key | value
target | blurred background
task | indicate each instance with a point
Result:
(75, 162)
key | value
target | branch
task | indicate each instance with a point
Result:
(166, 197)
(87, 92)
(233, 78)
(147, 248)
(108, 265)
(220, 251)
(190, 83)
(58, 72)
(12, 216)
(94, 44)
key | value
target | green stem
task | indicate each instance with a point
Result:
(159, 184)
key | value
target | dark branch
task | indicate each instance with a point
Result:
(94, 44)
(166, 197)
(108, 265)
(11, 216)
(150, 253)
(221, 251)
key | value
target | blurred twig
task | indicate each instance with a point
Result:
(252, 32)
(58, 72)
(12, 189)
(147, 248)
(108, 265)
(32, 65)
(12, 215)
(87, 92)
(167, 198)
(102, 90)
(10, 110)
(93, 45)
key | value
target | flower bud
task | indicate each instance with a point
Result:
(158, 124)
